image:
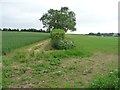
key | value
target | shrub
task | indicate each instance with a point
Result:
(58, 40)
(63, 44)
(109, 81)
(57, 34)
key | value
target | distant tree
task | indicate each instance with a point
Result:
(17, 29)
(40, 30)
(98, 34)
(111, 34)
(9, 29)
(91, 33)
(59, 19)
(118, 34)
(14, 30)
(5, 29)
(23, 30)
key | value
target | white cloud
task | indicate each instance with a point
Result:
(91, 15)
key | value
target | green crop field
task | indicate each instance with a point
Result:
(13, 40)
(33, 64)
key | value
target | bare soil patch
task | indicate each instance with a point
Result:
(100, 63)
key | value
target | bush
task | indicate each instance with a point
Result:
(57, 34)
(65, 44)
(62, 44)
(58, 40)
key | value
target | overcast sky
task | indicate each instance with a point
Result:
(91, 15)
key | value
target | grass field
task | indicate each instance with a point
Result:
(38, 66)
(96, 43)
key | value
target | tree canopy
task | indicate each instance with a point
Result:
(59, 19)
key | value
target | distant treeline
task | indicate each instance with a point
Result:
(41, 30)
(104, 34)
(23, 30)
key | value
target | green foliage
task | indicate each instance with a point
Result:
(20, 57)
(22, 70)
(59, 19)
(54, 61)
(63, 44)
(32, 54)
(60, 54)
(49, 66)
(7, 73)
(57, 34)
(109, 81)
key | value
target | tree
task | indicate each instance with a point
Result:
(5, 29)
(59, 19)
(98, 34)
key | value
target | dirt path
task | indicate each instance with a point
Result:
(39, 46)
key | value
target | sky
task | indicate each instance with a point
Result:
(91, 15)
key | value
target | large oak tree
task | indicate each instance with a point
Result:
(59, 19)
